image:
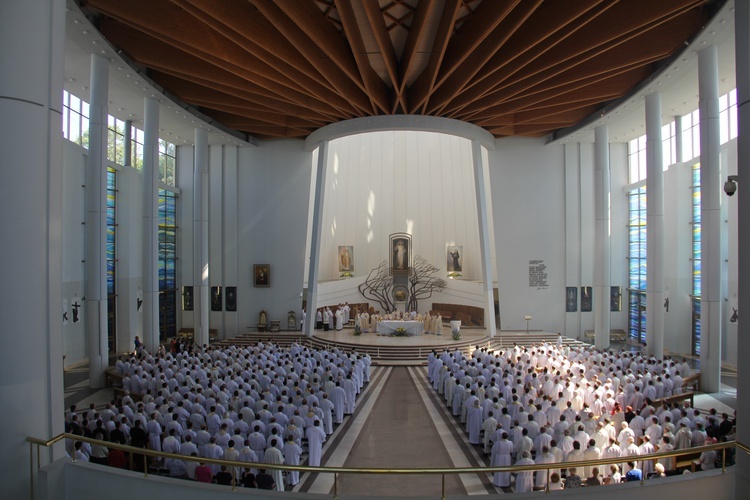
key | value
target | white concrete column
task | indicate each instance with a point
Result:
(317, 221)
(711, 221)
(573, 237)
(654, 228)
(150, 228)
(201, 291)
(602, 278)
(96, 223)
(678, 138)
(31, 367)
(742, 61)
(486, 251)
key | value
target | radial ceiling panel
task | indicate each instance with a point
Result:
(284, 68)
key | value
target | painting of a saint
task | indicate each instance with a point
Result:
(346, 259)
(454, 263)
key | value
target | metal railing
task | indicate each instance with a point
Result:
(234, 465)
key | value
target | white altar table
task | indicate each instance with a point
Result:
(388, 327)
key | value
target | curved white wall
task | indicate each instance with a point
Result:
(379, 183)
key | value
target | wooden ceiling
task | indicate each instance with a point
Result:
(284, 68)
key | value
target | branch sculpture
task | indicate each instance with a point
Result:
(378, 286)
(422, 283)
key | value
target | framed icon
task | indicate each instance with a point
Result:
(261, 275)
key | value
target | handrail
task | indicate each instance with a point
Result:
(356, 470)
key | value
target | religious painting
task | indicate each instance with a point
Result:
(187, 298)
(400, 253)
(216, 298)
(231, 298)
(261, 275)
(454, 262)
(346, 260)
(615, 299)
(586, 299)
(571, 299)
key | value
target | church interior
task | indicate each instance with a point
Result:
(231, 204)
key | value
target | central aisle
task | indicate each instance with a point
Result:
(399, 432)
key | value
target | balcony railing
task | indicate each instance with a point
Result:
(336, 471)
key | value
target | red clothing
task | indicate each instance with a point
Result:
(203, 474)
(116, 458)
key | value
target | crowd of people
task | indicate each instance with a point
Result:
(260, 404)
(548, 404)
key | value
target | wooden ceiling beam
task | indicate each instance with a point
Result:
(625, 77)
(383, 40)
(653, 46)
(240, 23)
(375, 87)
(414, 40)
(311, 33)
(289, 17)
(585, 36)
(422, 88)
(196, 88)
(552, 22)
(152, 53)
(468, 68)
(235, 62)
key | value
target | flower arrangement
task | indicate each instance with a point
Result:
(400, 332)
(346, 274)
(456, 334)
(454, 274)
(357, 329)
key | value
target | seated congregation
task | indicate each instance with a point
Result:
(548, 404)
(257, 404)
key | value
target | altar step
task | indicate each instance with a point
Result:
(401, 355)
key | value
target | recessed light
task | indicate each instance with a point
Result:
(71, 80)
(94, 42)
(76, 21)
(128, 75)
(85, 32)
(136, 82)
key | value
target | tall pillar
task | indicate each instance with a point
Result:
(484, 209)
(317, 221)
(654, 228)
(678, 138)
(602, 276)
(711, 190)
(201, 301)
(742, 61)
(150, 254)
(31, 367)
(96, 224)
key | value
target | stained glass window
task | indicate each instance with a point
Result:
(167, 262)
(111, 257)
(637, 264)
(696, 260)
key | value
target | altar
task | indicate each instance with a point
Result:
(388, 327)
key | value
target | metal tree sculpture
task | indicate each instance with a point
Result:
(378, 286)
(422, 283)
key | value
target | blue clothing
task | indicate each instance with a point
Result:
(634, 475)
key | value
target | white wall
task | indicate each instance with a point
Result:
(386, 182)
(273, 182)
(73, 249)
(528, 198)
(61, 480)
